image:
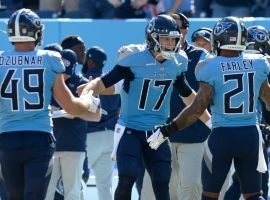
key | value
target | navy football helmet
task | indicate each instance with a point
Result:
(24, 25)
(70, 60)
(258, 40)
(202, 33)
(162, 26)
(53, 47)
(229, 33)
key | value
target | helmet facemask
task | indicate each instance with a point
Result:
(167, 51)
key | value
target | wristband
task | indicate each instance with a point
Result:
(169, 129)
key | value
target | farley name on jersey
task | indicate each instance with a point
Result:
(236, 65)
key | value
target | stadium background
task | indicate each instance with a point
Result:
(109, 34)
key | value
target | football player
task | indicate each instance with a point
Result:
(150, 72)
(232, 82)
(29, 78)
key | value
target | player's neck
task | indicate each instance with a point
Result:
(229, 53)
(24, 46)
(157, 56)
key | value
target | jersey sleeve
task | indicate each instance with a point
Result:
(56, 62)
(126, 51)
(116, 74)
(182, 61)
(182, 86)
(203, 73)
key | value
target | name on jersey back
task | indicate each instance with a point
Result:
(21, 60)
(236, 65)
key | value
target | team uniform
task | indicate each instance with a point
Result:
(145, 100)
(257, 43)
(234, 117)
(26, 140)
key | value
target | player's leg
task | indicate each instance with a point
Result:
(233, 192)
(174, 180)
(56, 174)
(189, 157)
(72, 162)
(99, 148)
(129, 159)
(158, 165)
(216, 162)
(12, 173)
(147, 192)
(37, 173)
(247, 161)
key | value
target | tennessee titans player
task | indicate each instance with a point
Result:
(257, 43)
(29, 78)
(150, 72)
(232, 82)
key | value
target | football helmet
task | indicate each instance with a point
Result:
(24, 25)
(53, 47)
(163, 26)
(229, 33)
(258, 40)
(203, 33)
(69, 58)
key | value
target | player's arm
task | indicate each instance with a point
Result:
(188, 95)
(188, 116)
(265, 94)
(74, 106)
(99, 85)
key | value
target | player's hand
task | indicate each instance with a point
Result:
(94, 102)
(80, 88)
(157, 138)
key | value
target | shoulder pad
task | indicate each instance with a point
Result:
(252, 55)
(182, 53)
(124, 51)
(203, 62)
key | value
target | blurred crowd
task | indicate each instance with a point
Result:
(123, 9)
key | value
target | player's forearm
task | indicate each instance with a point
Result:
(188, 100)
(96, 85)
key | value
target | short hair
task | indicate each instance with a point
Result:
(70, 41)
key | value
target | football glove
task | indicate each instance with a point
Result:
(161, 133)
(94, 102)
(156, 139)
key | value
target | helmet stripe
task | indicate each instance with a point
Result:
(239, 35)
(17, 25)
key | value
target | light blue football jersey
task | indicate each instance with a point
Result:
(147, 103)
(237, 82)
(27, 80)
